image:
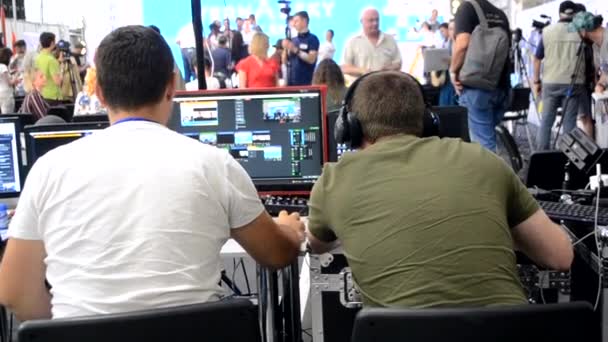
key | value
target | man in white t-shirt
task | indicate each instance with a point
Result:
(187, 44)
(133, 217)
(327, 48)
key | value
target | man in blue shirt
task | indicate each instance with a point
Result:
(302, 52)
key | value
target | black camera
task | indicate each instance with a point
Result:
(64, 47)
(285, 9)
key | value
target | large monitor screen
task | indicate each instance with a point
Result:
(10, 161)
(277, 136)
(41, 139)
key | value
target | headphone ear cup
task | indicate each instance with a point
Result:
(430, 124)
(355, 130)
(341, 131)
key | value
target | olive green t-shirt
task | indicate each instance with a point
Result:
(49, 66)
(424, 222)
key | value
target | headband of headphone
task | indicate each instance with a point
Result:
(348, 128)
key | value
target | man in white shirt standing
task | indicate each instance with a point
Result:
(327, 49)
(133, 217)
(187, 44)
(371, 49)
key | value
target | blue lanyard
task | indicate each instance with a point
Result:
(133, 119)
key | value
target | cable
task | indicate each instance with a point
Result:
(540, 286)
(583, 238)
(600, 271)
(246, 277)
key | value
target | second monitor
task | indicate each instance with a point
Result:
(276, 135)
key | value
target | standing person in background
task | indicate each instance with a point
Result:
(247, 33)
(239, 24)
(80, 59)
(278, 57)
(254, 24)
(328, 73)
(302, 52)
(257, 70)
(17, 68)
(212, 82)
(434, 21)
(327, 48)
(7, 90)
(239, 50)
(187, 44)
(370, 50)
(486, 107)
(447, 93)
(212, 38)
(51, 68)
(222, 59)
(227, 32)
(444, 33)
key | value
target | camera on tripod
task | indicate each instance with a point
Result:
(286, 9)
(64, 47)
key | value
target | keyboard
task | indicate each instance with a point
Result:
(275, 204)
(574, 212)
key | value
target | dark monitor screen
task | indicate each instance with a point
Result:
(276, 135)
(10, 158)
(41, 139)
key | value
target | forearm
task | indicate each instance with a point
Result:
(30, 307)
(353, 70)
(288, 247)
(320, 247)
(308, 57)
(537, 63)
(458, 59)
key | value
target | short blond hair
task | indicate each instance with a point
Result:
(259, 45)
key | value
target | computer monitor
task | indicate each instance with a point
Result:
(43, 138)
(10, 158)
(277, 135)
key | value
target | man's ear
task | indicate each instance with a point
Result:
(171, 87)
(100, 96)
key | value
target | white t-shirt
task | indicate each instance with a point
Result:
(326, 50)
(6, 89)
(133, 217)
(185, 36)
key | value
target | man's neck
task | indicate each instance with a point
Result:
(304, 31)
(373, 37)
(150, 114)
(47, 50)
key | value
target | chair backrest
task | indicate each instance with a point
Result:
(229, 320)
(101, 117)
(62, 112)
(510, 146)
(520, 100)
(522, 323)
(453, 122)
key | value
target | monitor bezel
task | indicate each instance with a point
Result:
(68, 126)
(275, 186)
(20, 168)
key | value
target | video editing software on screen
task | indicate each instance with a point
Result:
(276, 137)
(9, 158)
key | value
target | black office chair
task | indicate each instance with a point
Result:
(62, 112)
(522, 323)
(517, 162)
(230, 320)
(453, 122)
(517, 113)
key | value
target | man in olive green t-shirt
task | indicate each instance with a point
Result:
(427, 222)
(50, 67)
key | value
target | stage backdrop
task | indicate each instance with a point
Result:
(398, 17)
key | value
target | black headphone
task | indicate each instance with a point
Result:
(348, 128)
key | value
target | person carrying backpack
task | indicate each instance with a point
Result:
(481, 67)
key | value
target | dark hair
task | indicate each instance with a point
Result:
(20, 43)
(155, 28)
(332, 32)
(5, 56)
(425, 24)
(388, 103)
(222, 39)
(206, 61)
(134, 66)
(303, 15)
(444, 25)
(580, 8)
(330, 74)
(237, 45)
(252, 16)
(46, 39)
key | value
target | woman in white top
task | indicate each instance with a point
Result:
(87, 102)
(7, 83)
